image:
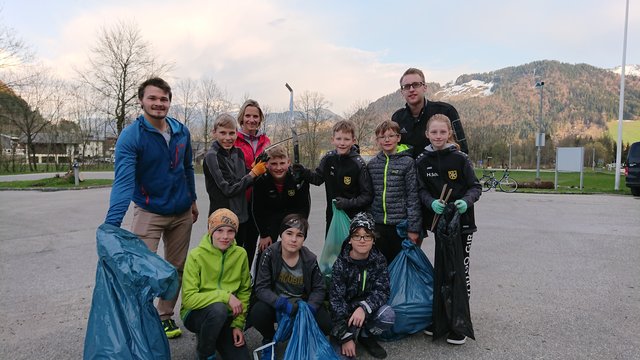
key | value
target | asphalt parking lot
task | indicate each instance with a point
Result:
(553, 276)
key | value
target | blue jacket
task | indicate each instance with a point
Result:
(156, 177)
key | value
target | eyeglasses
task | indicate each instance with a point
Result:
(356, 237)
(387, 137)
(414, 85)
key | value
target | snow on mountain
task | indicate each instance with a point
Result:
(633, 70)
(469, 89)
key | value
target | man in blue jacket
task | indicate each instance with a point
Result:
(154, 169)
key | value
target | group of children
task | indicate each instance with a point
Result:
(393, 188)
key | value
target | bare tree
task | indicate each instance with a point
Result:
(81, 109)
(313, 115)
(33, 106)
(13, 51)
(119, 62)
(184, 103)
(365, 121)
(212, 101)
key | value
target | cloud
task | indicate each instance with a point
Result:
(249, 48)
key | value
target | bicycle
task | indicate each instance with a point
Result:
(505, 183)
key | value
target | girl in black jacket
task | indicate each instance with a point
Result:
(442, 163)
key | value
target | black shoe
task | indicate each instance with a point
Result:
(456, 339)
(428, 330)
(371, 345)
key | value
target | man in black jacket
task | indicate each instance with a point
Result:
(413, 117)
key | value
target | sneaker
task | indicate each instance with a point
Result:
(171, 329)
(371, 345)
(456, 339)
(428, 330)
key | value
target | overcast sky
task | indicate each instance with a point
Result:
(349, 51)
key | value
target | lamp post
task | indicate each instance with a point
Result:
(290, 103)
(540, 135)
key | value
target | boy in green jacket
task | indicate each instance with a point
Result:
(215, 290)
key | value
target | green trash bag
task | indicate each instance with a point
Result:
(338, 232)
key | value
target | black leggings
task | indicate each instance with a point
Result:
(212, 325)
(263, 318)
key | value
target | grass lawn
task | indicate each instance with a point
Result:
(54, 182)
(630, 131)
(594, 182)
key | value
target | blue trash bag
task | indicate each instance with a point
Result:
(307, 340)
(411, 278)
(338, 231)
(123, 323)
(283, 333)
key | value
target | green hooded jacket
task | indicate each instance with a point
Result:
(211, 276)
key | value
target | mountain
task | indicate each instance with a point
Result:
(578, 99)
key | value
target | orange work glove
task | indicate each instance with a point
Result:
(259, 169)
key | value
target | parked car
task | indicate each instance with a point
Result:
(632, 169)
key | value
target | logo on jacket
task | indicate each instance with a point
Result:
(347, 180)
(291, 192)
(453, 174)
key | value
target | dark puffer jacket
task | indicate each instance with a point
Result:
(395, 195)
(356, 284)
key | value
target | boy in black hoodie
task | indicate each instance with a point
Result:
(343, 172)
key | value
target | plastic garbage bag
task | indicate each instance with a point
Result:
(338, 231)
(411, 279)
(307, 340)
(283, 333)
(123, 323)
(451, 300)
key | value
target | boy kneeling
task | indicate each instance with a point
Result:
(215, 290)
(359, 292)
(288, 272)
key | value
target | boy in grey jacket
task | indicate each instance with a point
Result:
(395, 191)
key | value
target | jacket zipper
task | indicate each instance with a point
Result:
(384, 189)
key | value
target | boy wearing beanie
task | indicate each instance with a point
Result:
(215, 290)
(288, 272)
(359, 292)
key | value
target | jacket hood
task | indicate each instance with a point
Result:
(305, 254)
(447, 148)
(246, 137)
(383, 156)
(207, 245)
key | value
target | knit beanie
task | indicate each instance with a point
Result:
(363, 220)
(222, 217)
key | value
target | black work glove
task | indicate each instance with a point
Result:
(300, 173)
(341, 203)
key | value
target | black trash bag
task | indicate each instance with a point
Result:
(450, 299)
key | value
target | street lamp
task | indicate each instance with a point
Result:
(540, 134)
(290, 102)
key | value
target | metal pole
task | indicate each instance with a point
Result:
(621, 102)
(290, 103)
(538, 139)
(509, 156)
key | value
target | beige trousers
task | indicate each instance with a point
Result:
(175, 231)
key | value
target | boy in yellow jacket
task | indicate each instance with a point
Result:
(215, 290)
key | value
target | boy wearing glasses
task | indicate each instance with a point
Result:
(359, 292)
(395, 191)
(343, 172)
(413, 117)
